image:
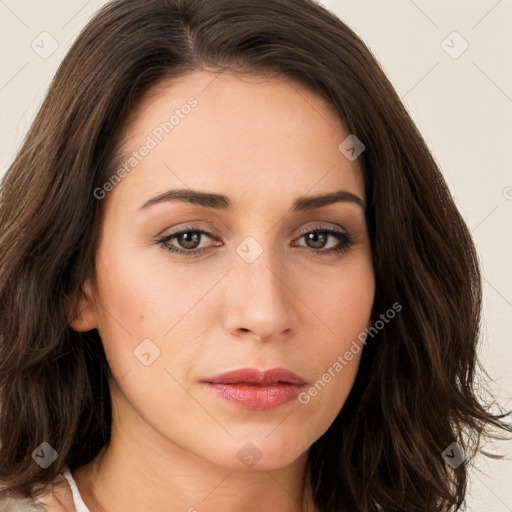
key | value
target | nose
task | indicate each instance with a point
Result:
(259, 299)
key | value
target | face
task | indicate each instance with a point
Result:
(189, 288)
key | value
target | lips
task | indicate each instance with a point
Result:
(253, 376)
(250, 388)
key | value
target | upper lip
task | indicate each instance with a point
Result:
(257, 377)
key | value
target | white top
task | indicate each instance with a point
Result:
(30, 505)
(79, 504)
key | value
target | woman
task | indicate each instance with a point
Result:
(233, 277)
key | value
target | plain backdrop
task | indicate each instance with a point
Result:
(450, 61)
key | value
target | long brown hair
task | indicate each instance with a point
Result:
(414, 394)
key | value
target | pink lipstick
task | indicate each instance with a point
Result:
(250, 388)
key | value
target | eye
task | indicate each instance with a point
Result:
(317, 237)
(188, 240)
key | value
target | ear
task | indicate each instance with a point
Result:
(84, 310)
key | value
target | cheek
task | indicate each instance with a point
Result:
(150, 299)
(336, 361)
(343, 302)
(323, 399)
(343, 298)
(151, 336)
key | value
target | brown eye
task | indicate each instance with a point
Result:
(189, 239)
(317, 239)
(185, 242)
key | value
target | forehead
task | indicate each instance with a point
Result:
(245, 137)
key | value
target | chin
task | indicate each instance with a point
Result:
(262, 452)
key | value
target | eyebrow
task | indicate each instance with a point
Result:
(222, 202)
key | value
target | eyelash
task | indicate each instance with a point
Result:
(346, 240)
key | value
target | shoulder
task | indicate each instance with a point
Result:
(55, 498)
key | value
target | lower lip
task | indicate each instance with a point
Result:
(256, 397)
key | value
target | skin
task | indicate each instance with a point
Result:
(262, 143)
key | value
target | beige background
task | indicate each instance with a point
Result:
(461, 99)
